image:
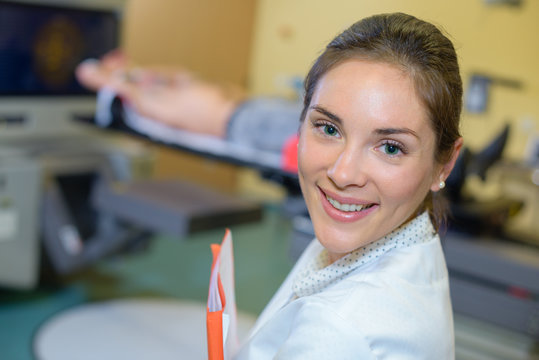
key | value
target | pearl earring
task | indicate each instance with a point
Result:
(441, 184)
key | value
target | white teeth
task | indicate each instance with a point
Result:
(345, 207)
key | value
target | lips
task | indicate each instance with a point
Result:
(345, 209)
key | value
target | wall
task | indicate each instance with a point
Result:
(210, 37)
(497, 40)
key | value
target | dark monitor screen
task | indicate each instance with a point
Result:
(40, 46)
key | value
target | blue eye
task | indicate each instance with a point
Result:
(330, 130)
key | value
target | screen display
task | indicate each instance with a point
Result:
(40, 46)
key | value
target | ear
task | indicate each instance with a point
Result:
(446, 168)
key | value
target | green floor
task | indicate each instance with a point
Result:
(170, 269)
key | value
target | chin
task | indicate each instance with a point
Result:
(339, 241)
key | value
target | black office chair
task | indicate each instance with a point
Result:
(472, 216)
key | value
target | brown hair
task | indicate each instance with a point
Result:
(427, 55)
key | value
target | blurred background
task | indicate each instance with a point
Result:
(88, 222)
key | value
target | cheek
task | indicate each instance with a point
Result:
(311, 157)
(405, 183)
(302, 157)
(304, 163)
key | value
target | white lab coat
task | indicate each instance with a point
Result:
(396, 306)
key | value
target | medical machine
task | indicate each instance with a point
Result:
(70, 194)
(40, 45)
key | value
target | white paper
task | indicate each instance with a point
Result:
(214, 298)
(226, 270)
(224, 267)
(226, 324)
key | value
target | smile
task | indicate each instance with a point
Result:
(345, 210)
(347, 207)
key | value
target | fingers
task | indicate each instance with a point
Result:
(90, 74)
(95, 74)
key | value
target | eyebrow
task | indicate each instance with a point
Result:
(393, 131)
(328, 113)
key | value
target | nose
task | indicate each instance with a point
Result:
(348, 168)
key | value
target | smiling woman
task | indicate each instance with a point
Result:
(379, 135)
(378, 138)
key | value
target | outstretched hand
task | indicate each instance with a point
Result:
(172, 96)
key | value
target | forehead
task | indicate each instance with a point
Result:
(371, 91)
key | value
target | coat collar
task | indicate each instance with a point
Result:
(319, 274)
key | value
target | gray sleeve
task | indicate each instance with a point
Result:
(264, 123)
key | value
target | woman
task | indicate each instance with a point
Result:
(379, 136)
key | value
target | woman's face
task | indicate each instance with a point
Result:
(366, 155)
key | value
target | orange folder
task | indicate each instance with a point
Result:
(221, 309)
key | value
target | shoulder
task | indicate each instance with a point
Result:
(399, 305)
(401, 322)
(403, 282)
